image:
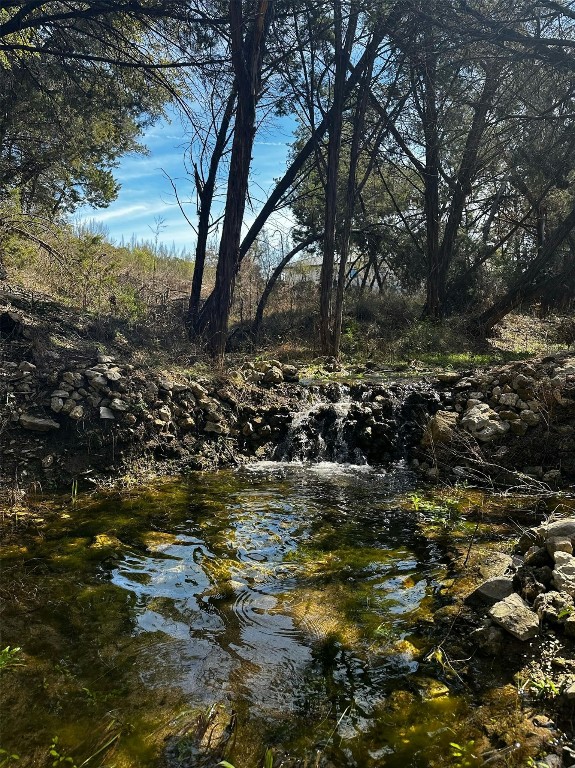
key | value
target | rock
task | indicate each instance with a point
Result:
(113, 375)
(273, 376)
(491, 591)
(530, 418)
(47, 461)
(440, 428)
(106, 413)
(508, 415)
(76, 413)
(197, 390)
(166, 384)
(495, 564)
(569, 694)
(553, 607)
(105, 359)
(35, 424)
(119, 405)
(569, 626)
(536, 557)
(518, 427)
(484, 423)
(559, 544)
(564, 572)
(290, 373)
(186, 423)
(515, 617)
(510, 399)
(27, 367)
(448, 377)
(164, 414)
(490, 640)
(560, 529)
(215, 428)
(56, 404)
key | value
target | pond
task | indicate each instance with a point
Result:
(279, 606)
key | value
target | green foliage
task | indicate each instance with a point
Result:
(59, 758)
(10, 657)
(6, 758)
(463, 754)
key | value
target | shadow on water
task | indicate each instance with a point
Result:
(299, 597)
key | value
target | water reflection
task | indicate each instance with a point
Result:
(276, 592)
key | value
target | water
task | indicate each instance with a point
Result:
(295, 600)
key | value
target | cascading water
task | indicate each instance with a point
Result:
(358, 424)
(322, 432)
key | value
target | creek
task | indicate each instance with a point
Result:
(289, 605)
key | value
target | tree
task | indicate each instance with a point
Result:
(248, 30)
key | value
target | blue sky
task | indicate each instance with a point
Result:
(146, 196)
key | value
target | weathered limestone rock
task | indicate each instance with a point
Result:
(273, 376)
(164, 414)
(530, 418)
(484, 423)
(515, 617)
(559, 544)
(76, 413)
(564, 573)
(439, 429)
(290, 373)
(197, 390)
(553, 607)
(35, 424)
(491, 591)
(56, 404)
(560, 529)
(118, 405)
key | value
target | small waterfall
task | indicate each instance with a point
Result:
(359, 424)
(322, 432)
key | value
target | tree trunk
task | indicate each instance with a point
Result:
(206, 197)
(341, 59)
(350, 200)
(247, 60)
(434, 287)
(301, 158)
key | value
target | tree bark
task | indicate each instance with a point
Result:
(247, 61)
(341, 59)
(206, 197)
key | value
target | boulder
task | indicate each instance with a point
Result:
(515, 617)
(564, 572)
(106, 413)
(440, 428)
(273, 376)
(491, 591)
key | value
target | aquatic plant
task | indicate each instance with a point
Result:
(10, 657)
(6, 758)
(463, 754)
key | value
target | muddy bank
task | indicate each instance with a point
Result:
(78, 411)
